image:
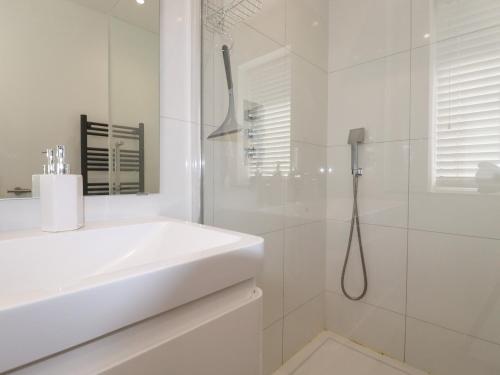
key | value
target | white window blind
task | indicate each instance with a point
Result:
(267, 85)
(466, 106)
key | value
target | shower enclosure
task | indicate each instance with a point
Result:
(423, 78)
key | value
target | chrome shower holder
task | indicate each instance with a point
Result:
(222, 15)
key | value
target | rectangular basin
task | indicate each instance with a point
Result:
(61, 290)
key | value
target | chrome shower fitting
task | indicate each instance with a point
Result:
(356, 136)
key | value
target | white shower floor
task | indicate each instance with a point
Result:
(330, 354)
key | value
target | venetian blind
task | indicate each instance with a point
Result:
(268, 87)
(466, 105)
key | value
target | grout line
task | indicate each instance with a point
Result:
(416, 229)
(345, 145)
(368, 224)
(292, 52)
(400, 52)
(181, 120)
(453, 234)
(410, 97)
(412, 47)
(307, 143)
(454, 331)
(301, 305)
(283, 254)
(366, 303)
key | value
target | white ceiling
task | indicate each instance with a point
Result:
(146, 16)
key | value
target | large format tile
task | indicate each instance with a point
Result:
(271, 20)
(362, 30)
(444, 352)
(306, 184)
(421, 92)
(309, 102)
(383, 188)
(474, 211)
(242, 201)
(302, 325)
(374, 96)
(176, 176)
(208, 77)
(175, 67)
(273, 347)
(208, 176)
(304, 263)
(270, 279)
(307, 30)
(385, 256)
(453, 281)
(376, 328)
(435, 20)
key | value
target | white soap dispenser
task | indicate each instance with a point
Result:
(61, 194)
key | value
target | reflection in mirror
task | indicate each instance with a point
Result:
(466, 102)
(84, 74)
(265, 97)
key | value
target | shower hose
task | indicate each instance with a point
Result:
(355, 223)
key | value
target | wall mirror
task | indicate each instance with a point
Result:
(84, 74)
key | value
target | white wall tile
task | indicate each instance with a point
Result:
(271, 20)
(270, 279)
(302, 325)
(444, 352)
(176, 167)
(435, 20)
(421, 93)
(453, 281)
(208, 77)
(306, 184)
(309, 102)
(273, 347)
(455, 210)
(362, 30)
(374, 96)
(175, 67)
(379, 329)
(307, 30)
(385, 257)
(208, 177)
(304, 263)
(383, 188)
(251, 204)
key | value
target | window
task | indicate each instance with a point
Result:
(466, 111)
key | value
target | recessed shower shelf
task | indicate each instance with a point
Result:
(221, 16)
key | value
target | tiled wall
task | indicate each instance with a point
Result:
(433, 256)
(288, 210)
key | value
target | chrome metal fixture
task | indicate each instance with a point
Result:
(356, 136)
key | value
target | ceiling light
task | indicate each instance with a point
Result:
(140, 2)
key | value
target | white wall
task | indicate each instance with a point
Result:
(99, 66)
(287, 210)
(134, 69)
(178, 49)
(47, 82)
(432, 256)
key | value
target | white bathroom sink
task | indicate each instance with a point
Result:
(60, 290)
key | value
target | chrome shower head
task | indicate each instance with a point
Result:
(356, 136)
